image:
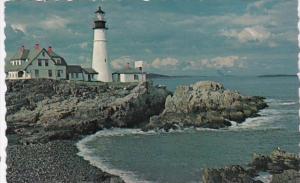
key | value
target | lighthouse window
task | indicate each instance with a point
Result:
(105, 60)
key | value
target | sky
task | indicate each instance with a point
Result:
(172, 37)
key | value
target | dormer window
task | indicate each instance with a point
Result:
(58, 61)
(39, 62)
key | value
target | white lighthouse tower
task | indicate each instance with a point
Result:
(100, 59)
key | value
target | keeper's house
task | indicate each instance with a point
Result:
(42, 63)
(129, 74)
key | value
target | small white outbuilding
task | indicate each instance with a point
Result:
(129, 74)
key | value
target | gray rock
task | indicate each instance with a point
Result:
(206, 104)
(283, 166)
(230, 174)
(287, 176)
(65, 109)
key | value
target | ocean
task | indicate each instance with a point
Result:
(180, 156)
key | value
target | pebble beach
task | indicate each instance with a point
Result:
(55, 161)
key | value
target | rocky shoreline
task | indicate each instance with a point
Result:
(284, 167)
(45, 118)
(42, 110)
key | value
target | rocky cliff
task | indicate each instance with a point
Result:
(205, 104)
(43, 110)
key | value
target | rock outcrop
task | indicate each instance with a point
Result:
(283, 166)
(205, 104)
(235, 173)
(43, 110)
(276, 163)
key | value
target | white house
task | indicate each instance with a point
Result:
(42, 63)
(36, 63)
(129, 74)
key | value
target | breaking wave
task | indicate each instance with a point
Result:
(88, 153)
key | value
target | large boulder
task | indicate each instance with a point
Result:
(205, 104)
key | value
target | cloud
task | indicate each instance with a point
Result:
(216, 63)
(121, 62)
(158, 63)
(83, 45)
(257, 33)
(168, 62)
(258, 4)
(55, 22)
(19, 27)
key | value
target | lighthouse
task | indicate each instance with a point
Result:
(100, 62)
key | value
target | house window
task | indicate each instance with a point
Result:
(50, 73)
(136, 77)
(43, 53)
(77, 75)
(36, 73)
(72, 75)
(58, 61)
(46, 63)
(59, 72)
(39, 62)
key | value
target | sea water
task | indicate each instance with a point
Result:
(180, 156)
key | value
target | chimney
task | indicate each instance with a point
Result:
(128, 65)
(22, 48)
(37, 46)
(50, 50)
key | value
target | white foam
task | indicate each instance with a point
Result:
(88, 154)
(264, 121)
(289, 103)
(264, 177)
(278, 102)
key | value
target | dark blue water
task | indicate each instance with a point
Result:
(180, 156)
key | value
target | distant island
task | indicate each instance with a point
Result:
(278, 75)
(154, 75)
